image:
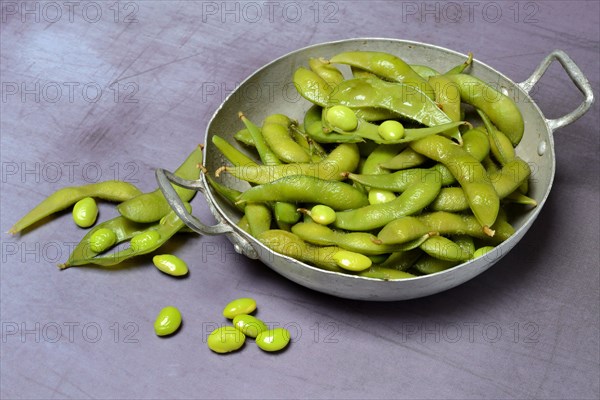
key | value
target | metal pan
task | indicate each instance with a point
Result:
(270, 90)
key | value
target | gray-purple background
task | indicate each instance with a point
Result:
(112, 89)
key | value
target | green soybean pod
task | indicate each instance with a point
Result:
(241, 306)
(326, 70)
(167, 321)
(249, 325)
(305, 188)
(225, 339)
(444, 249)
(85, 212)
(151, 207)
(472, 176)
(311, 86)
(259, 217)
(501, 109)
(275, 339)
(170, 264)
(102, 239)
(386, 274)
(61, 199)
(427, 264)
(282, 144)
(482, 251)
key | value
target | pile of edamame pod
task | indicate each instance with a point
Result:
(383, 177)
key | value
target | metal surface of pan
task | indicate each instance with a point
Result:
(270, 90)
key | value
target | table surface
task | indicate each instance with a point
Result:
(103, 90)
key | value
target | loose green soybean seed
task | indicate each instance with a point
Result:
(167, 321)
(273, 339)
(244, 305)
(85, 212)
(170, 264)
(391, 130)
(102, 240)
(322, 214)
(352, 261)
(378, 196)
(482, 250)
(249, 325)
(342, 117)
(145, 240)
(225, 339)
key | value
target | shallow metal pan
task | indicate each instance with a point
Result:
(270, 90)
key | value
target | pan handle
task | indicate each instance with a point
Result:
(576, 76)
(165, 178)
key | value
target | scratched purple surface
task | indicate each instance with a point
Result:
(103, 90)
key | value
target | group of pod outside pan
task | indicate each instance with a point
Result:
(395, 171)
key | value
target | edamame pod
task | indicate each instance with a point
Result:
(311, 86)
(326, 70)
(501, 109)
(481, 195)
(117, 191)
(161, 233)
(411, 201)
(291, 245)
(344, 157)
(122, 228)
(386, 66)
(305, 188)
(232, 154)
(358, 242)
(151, 207)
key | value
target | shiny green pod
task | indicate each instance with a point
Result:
(385, 65)
(117, 191)
(411, 201)
(501, 109)
(481, 195)
(304, 188)
(151, 207)
(344, 157)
